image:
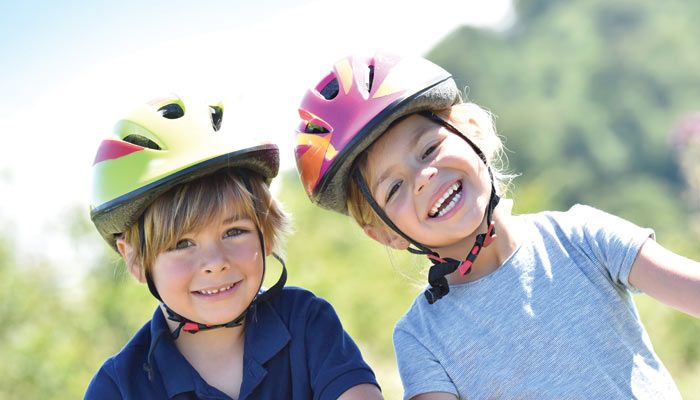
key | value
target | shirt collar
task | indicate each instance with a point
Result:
(170, 364)
(266, 335)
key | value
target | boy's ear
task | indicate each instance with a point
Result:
(134, 267)
(386, 237)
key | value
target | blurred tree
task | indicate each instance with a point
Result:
(686, 141)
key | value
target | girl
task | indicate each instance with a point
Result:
(519, 306)
(188, 208)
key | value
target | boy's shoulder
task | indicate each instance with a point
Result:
(297, 311)
(294, 302)
(133, 352)
(122, 364)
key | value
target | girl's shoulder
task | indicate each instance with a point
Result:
(575, 220)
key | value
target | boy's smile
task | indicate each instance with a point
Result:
(431, 183)
(216, 292)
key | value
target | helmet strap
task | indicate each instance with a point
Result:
(189, 326)
(193, 327)
(441, 266)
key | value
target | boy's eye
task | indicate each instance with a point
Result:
(233, 232)
(183, 244)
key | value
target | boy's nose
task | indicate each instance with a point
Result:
(218, 267)
(215, 261)
(423, 178)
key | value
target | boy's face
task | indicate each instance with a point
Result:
(429, 181)
(212, 274)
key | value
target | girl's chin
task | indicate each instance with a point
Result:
(459, 245)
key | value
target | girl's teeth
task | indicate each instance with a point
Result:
(451, 205)
(436, 207)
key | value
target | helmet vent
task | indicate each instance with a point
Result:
(172, 111)
(370, 77)
(330, 90)
(142, 141)
(217, 115)
(314, 128)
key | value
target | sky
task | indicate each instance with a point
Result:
(70, 69)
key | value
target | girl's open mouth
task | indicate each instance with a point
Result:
(447, 201)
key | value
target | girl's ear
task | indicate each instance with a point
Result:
(386, 237)
(134, 267)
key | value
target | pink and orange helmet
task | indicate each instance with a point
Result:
(351, 107)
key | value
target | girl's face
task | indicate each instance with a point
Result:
(211, 275)
(429, 181)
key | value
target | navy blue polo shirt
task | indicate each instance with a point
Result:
(295, 348)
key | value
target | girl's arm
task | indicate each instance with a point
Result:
(668, 277)
(361, 392)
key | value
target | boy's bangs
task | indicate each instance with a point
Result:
(198, 204)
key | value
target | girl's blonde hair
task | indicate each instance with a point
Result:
(473, 121)
(192, 205)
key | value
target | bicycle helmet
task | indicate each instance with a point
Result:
(159, 145)
(351, 107)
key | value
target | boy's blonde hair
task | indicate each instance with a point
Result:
(473, 121)
(192, 205)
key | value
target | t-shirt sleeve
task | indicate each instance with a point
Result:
(102, 386)
(614, 242)
(419, 369)
(334, 360)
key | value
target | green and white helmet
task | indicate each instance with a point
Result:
(162, 144)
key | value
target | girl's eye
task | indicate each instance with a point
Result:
(429, 151)
(233, 232)
(183, 244)
(392, 190)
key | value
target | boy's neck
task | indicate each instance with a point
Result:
(493, 256)
(217, 355)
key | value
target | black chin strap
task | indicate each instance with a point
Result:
(441, 266)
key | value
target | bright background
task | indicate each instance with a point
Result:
(71, 69)
(587, 94)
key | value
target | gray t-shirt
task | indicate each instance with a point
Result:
(555, 321)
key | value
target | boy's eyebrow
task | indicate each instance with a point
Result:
(417, 134)
(233, 218)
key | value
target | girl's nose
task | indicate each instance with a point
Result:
(423, 177)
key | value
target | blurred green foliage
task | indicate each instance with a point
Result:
(585, 93)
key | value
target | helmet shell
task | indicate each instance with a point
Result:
(153, 149)
(351, 107)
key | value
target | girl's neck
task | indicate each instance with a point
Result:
(490, 258)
